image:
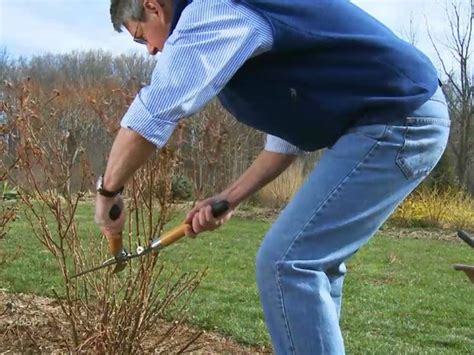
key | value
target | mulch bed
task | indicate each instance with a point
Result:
(389, 229)
(419, 233)
(26, 327)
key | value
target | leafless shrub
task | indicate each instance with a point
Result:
(8, 209)
(217, 148)
(101, 312)
(7, 214)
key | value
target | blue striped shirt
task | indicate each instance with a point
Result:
(211, 41)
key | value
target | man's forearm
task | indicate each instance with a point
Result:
(264, 169)
(128, 153)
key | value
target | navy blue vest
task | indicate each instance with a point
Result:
(332, 66)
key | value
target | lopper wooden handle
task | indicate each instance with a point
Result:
(174, 235)
(218, 209)
(115, 244)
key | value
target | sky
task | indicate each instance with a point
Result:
(31, 27)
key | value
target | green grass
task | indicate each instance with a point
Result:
(400, 296)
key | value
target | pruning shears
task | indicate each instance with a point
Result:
(122, 256)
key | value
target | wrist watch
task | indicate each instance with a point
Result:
(102, 191)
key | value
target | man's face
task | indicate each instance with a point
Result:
(154, 31)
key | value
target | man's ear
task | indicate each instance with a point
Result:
(156, 7)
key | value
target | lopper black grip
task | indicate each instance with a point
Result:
(115, 212)
(219, 208)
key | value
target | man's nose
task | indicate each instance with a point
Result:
(151, 49)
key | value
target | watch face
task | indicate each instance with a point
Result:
(99, 184)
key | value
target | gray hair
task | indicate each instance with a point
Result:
(122, 11)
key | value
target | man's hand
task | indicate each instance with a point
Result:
(201, 218)
(110, 215)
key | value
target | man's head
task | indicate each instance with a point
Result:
(148, 21)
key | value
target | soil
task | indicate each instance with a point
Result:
(396, 232)
(26, 327)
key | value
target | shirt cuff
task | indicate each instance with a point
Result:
(278, 145)
(140, 120)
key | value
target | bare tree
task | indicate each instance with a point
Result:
(459, 84)
(410, 32)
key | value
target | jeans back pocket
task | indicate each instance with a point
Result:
(424, 142)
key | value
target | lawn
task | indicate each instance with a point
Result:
(401, 295)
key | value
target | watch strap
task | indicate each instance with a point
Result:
(102, 191)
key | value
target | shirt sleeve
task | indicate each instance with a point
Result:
(278, 145)
(212, 40)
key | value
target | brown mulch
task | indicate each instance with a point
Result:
(389, 229)
(25, 326)
(419, 233)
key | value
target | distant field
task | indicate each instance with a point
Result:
(401, 295)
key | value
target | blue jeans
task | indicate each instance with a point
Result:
(353, 189)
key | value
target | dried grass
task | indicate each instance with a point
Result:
(280, 191)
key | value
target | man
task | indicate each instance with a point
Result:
(311, 74)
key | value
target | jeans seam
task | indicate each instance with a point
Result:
(285, 318)
(323, 204)
(332, 194)
(384, 134)
(381, 138)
